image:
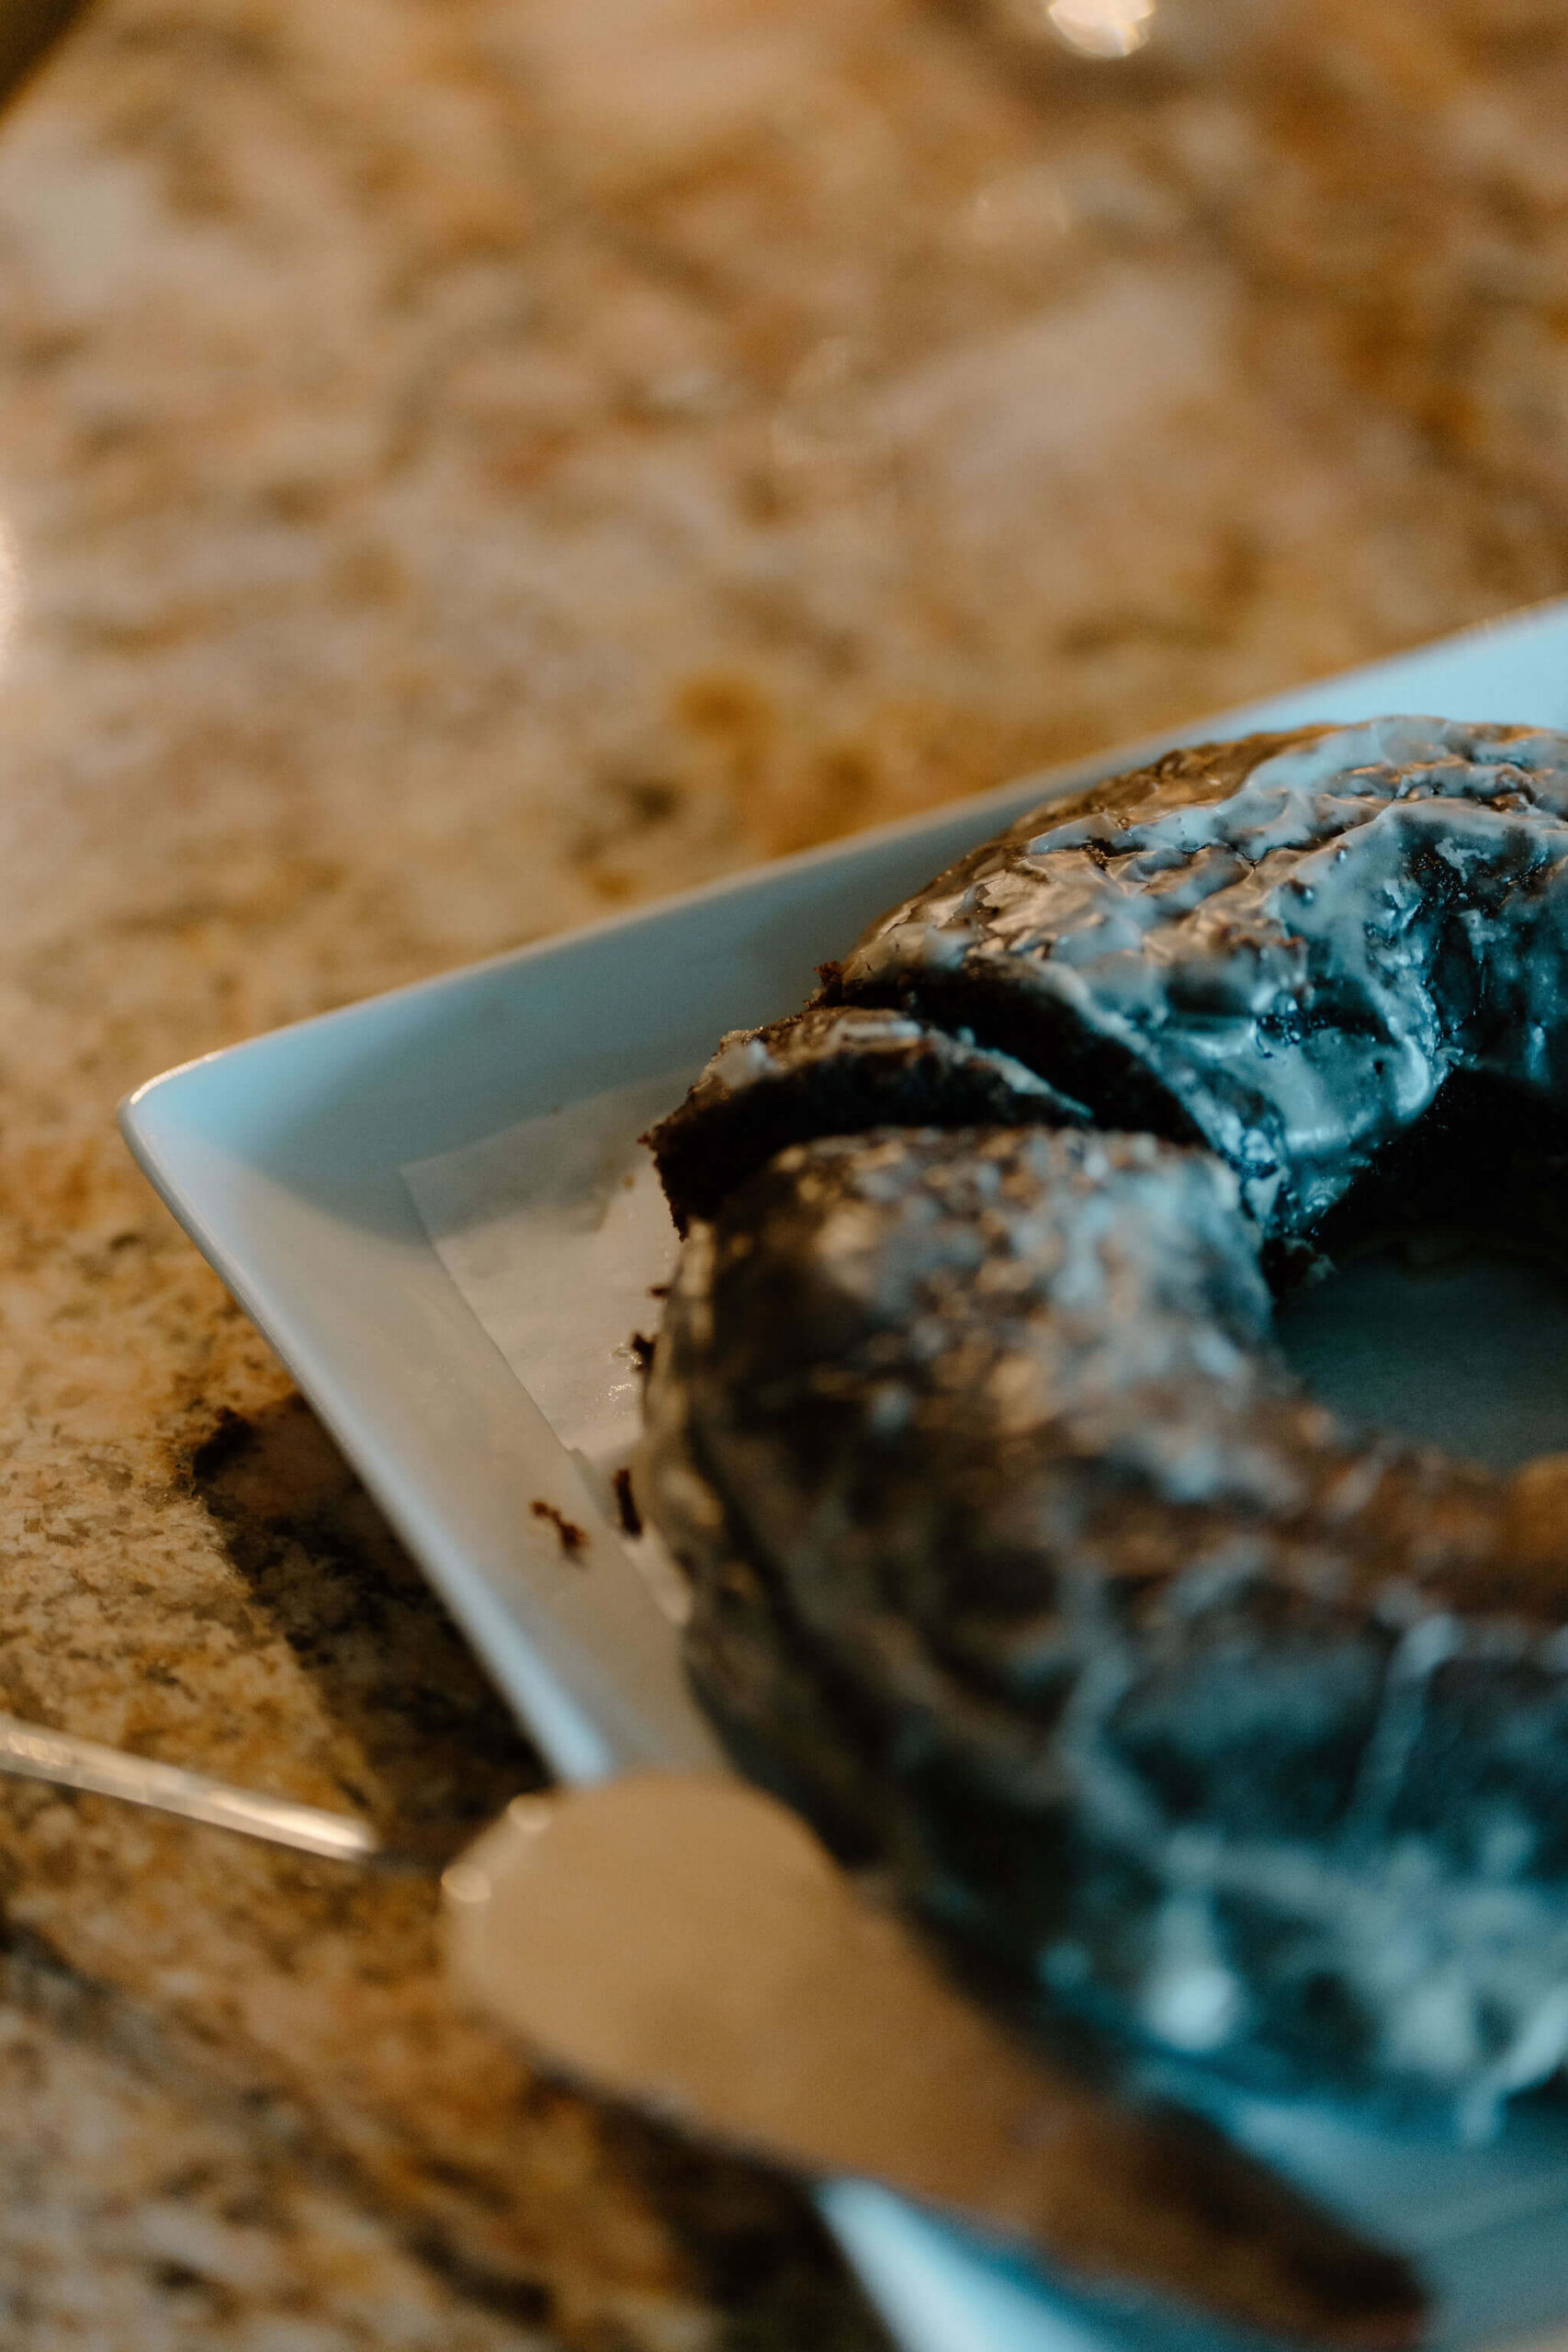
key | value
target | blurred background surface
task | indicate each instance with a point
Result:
(466, 464)
(27, 28)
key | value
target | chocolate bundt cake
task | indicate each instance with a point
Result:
(1019, 1558)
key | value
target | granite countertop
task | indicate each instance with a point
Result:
(466, 464)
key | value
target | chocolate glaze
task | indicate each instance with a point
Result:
(1280, 947)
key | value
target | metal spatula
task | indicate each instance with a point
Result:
(685, 1944)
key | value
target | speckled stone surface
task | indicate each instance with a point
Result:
(464, 464)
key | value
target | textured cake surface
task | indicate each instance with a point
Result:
(1019, 1558)
(1280, 947)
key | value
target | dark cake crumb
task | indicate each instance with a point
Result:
(625, 1503)
(572, 1537)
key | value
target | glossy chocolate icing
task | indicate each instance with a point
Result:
(1278, 947)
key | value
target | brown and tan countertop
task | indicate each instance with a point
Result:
(466, 464)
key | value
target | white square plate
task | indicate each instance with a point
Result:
(282, 1159)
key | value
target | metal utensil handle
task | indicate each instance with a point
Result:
(58, 1757)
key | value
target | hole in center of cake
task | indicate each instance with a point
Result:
(1469, 1353)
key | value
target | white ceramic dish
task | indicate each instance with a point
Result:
(282, 1157)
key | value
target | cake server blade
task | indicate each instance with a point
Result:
(685, 1944)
